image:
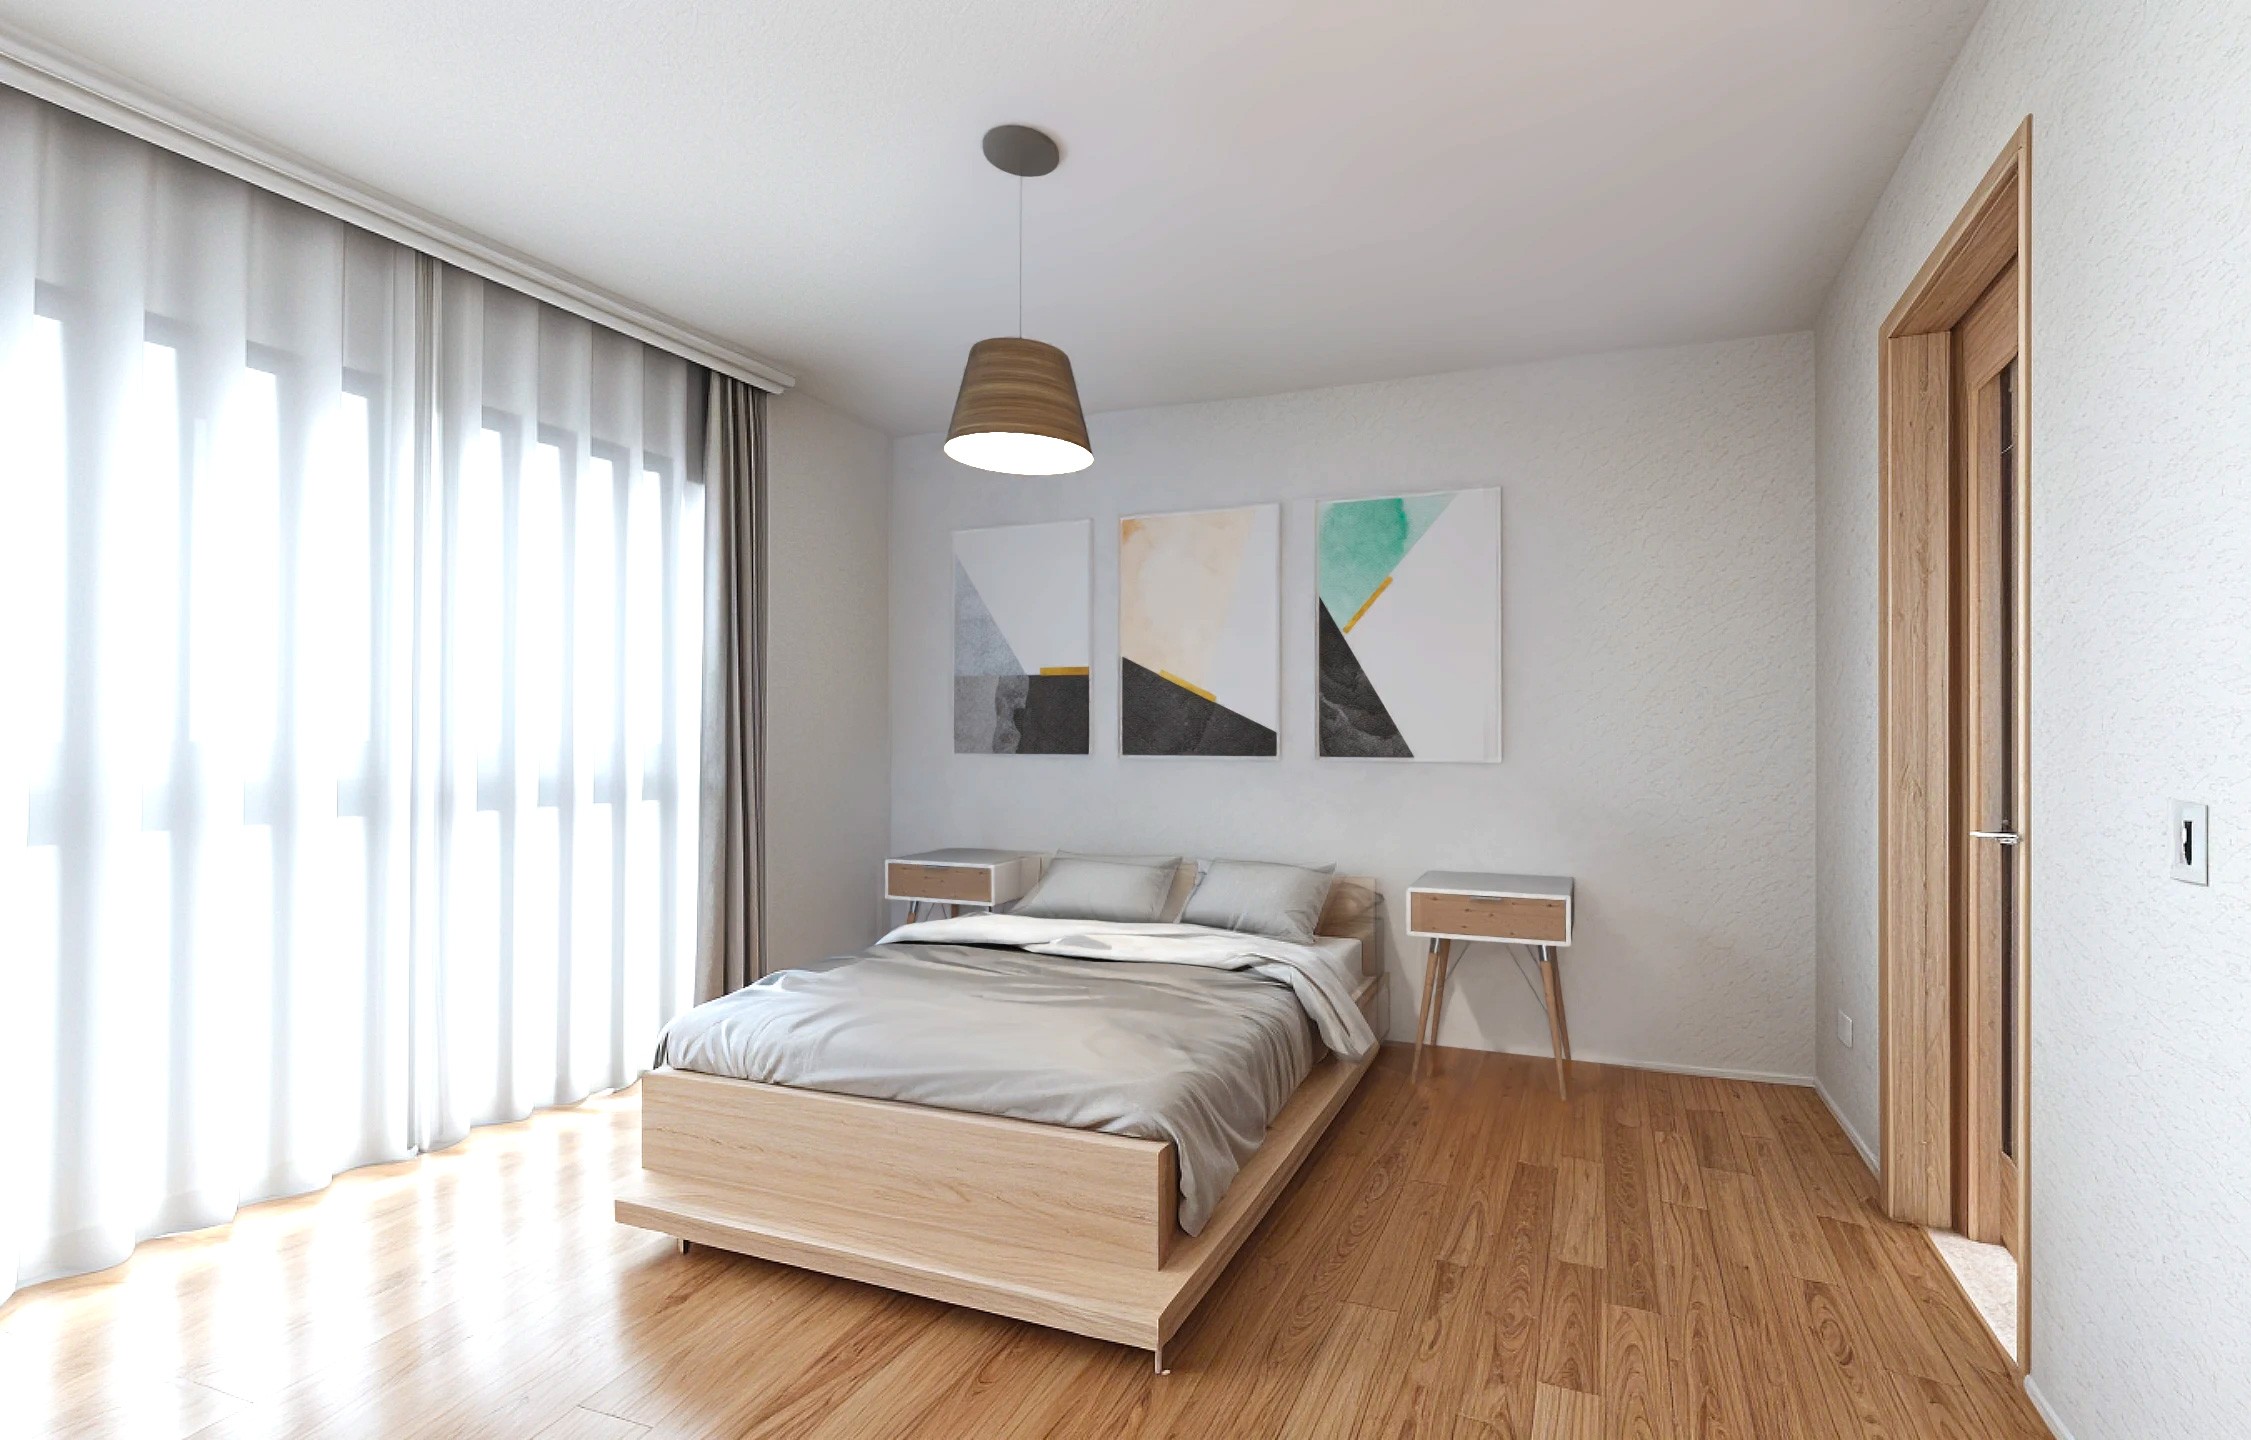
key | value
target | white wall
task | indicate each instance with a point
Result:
(2141, 629)
(828, 783)
(1657, 511)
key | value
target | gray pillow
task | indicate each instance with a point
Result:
(1132, 888)
(1283, 901)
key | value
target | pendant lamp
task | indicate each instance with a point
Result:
(1018, 411)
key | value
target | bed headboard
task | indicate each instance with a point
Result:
(1351, 915)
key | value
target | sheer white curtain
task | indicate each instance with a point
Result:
(343, 661)
(571, 531)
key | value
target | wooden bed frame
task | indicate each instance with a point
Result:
(1073, 1229)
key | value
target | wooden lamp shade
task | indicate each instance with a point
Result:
(1018, 412)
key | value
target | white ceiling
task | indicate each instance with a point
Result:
(1256, 195)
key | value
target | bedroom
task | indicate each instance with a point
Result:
(1494, 616)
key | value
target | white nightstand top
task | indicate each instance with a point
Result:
(1509, 887)
(960, 855)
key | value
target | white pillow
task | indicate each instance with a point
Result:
(1130, 888)
(1258, 898)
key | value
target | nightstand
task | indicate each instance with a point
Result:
(959, 877)
(1452, 907)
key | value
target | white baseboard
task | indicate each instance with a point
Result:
(2040, 1403)
(1664, 1067)
(1867, 1151)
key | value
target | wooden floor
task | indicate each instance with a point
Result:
(1470, 1257)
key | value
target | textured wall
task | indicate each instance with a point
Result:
(1657, 513)
(2141, 495)
(828, 786)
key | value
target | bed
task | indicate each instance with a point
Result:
(1058, 1224)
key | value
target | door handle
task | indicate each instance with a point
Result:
(2006, 837)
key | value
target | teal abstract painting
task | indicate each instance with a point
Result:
(1410, 644)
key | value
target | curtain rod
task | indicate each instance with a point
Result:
(41, 71)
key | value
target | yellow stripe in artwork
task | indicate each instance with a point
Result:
(1063, 669)
(1192, 689)
(1386, 585)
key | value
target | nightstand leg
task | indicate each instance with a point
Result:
(1438, 998)
(1434, 998)
(1422, 1011)
(1559, 1033)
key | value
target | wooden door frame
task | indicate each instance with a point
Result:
(1919, 824)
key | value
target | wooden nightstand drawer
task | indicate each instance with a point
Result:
(1497, 917)
(965, 884)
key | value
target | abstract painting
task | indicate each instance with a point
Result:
(1022, 636)
(1410, 590)
(1200, 632)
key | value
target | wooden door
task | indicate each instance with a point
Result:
(1987, 724)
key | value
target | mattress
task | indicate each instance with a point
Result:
(1196, 1054)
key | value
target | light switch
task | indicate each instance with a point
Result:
(2191, 845)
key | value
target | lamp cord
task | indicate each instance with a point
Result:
(1019, 257)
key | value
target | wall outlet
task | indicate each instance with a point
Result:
(2190, 844)
(1844, 1029)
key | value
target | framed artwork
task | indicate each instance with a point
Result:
(1200, 632)
(1023, 608)
(1410, 597)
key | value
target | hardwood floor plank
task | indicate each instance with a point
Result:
(1330, 1403)
(584, 1424)
(1749, 1274)
(1430, 1359)
(902, 1389)
(1474, 1205)
(1398, 1256)
(1629, 1105)
(2004, 1409)
(685, 1378)
(1851, 1173)
(1660, 1100)
(1714, 1140)
(1628, 1247)
(1578, 1212)
(1704, 1382)
(1917, 1272)
(1559, 1414)
(1789, 1215)
(1701, 1092)
(1570, 1269)
(1678, 1179)
(1452, 1077)
(1939, 1411)
(1636, 1386)
(130, 1409)
(1508, 1343)
(1016, 1386)
(1571, 1329)
(1902, 1337)
(1587, 1112)
(1112, 1397)
(1828, 1190)
(1746, 1111)
(1839, 1342)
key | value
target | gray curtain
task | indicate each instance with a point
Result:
(730, 943)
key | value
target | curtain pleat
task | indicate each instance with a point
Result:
(350, 756)
(730, 951)
(571, 603)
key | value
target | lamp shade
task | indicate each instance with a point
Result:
(1018, 411)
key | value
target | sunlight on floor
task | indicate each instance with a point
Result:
(1988, 1274)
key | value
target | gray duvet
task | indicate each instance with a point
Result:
(1201, 1049)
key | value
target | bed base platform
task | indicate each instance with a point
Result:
(1071, 1229)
